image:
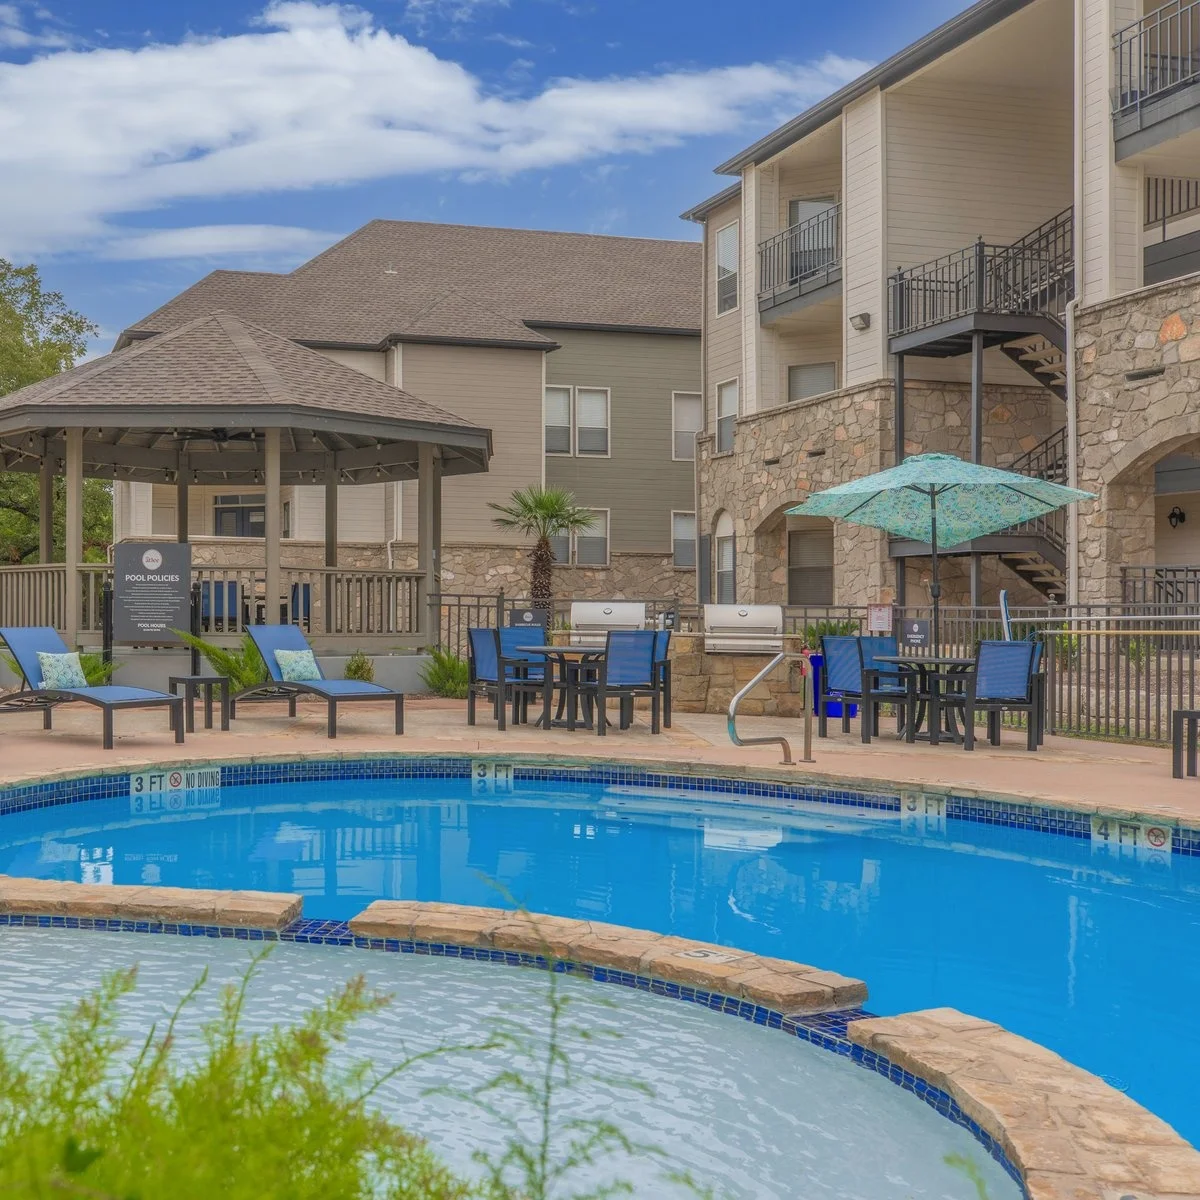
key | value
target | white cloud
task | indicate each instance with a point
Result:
(218, 241)
(424, 12)
(16, 35)
(319, 95)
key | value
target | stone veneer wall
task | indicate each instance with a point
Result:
(707, 682)
(842, 436)
(1126, 426)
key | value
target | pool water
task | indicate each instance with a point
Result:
(748, 1111)
(1094, 955)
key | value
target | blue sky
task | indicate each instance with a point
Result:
(144, 143)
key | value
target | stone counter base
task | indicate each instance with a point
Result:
(1071, 1136)
(771, 982)
(191, 906)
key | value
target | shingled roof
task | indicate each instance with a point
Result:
(220, 370)
(416, 281)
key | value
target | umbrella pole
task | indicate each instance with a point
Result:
(935, 587)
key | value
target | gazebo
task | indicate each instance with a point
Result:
(221, 401)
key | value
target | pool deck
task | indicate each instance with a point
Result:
(1066, 772)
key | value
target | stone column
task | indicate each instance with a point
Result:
(74, 535)
(273, 527)
(46, 509)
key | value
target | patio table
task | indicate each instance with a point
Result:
(923, 672)
(569, 672)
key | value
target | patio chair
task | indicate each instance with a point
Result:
(25, 643)
(1002, 680)
(839, 680)
(882, 683)
(491, 656)
(218, 605)
(629, 669)
(272, 638)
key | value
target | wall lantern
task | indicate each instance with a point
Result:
(1176, 516)
(861, 321)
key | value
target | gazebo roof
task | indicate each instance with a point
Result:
(206, 391)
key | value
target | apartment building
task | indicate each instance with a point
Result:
(986, 246)
(581, 353)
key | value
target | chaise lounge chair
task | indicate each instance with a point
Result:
(25, 643)
(289, 638)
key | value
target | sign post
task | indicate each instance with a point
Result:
(151, 592)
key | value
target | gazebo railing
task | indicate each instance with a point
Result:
(34, 595)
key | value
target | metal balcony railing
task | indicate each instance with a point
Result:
(1033, 275)
(1167, 199)
(1155, 55)
(810, 252)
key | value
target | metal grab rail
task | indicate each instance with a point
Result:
(805, 695)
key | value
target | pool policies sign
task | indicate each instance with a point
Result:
(151, 592)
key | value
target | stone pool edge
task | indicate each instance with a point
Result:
(1060, 1131)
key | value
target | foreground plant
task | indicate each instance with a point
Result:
(445, 674)
(255, 1117)
(244, 666)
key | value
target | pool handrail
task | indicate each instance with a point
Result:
(805, 696)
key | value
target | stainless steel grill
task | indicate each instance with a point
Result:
(592, 619)
(743, 628)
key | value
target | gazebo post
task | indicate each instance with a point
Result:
(181, 499)
(73, 469)
(273, 526)
(46, 508)
(331, 537)
(429, 534)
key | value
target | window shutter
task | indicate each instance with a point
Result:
(704, 563)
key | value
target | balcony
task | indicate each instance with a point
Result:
(1156, 68)
(800, 266)
(1003, 292)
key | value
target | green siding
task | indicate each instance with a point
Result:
(640, 484)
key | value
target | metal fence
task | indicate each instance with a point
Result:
(1111, 671)
(1156, 54)
(810, 250)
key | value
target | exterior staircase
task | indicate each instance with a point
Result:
(1045, 359)
(1039, 547)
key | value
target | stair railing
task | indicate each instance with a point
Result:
(1047, 460)
(806, 699)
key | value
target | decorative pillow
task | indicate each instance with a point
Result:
(61, 671)
(297, 666)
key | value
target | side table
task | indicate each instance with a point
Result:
(192, 684)
(1183, 731)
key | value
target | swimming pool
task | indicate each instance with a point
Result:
(748, 1111)
(1067, 940)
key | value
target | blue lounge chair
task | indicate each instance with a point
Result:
(269, 638)
(26, 641)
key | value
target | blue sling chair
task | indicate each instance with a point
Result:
(269, 638)
(26, 641)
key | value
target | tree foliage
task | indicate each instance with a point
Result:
(39, 337)
(542, 513)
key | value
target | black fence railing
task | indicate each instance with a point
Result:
(1046, 460)
(1168, 199)
(808, 252)
(1033, 275)
(1166, 588)
(1156, 55)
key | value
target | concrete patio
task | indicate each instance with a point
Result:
(1066, 772)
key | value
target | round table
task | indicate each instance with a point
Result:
(928, 685)
(569, 674)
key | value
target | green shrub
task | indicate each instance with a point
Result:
(360, 667)
(244, 666)
(253, 1117)
(828, 628)
(445, 674)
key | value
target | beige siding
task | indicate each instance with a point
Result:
(360, 513)
(819, 342)
(500, 389)
(640, 483)
(863, 209)
(369, 362)
(748, 291)
(966, 161)
(724, 349)
(1109, 233)
(808, 182)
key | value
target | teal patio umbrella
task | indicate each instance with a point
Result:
(939, 499)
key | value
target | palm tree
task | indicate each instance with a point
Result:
(542, 513)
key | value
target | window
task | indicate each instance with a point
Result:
(727, 411)
(591, 421)
(287, 519)
(811, 379)
(591, 544)
(724, 554)
(727, 268)
(810, 566)
(687, 420)
(558, 420)
(586, 548)
(683, 539)
(240, 515)
(815, 247)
